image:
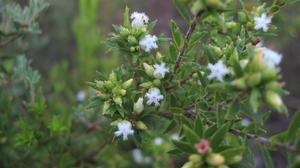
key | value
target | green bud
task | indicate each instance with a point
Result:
(138, 107)
(242, 17)
(195, 76)
(124, 31)
(195, 158)
(149, 69)
(118, 100)
(234, 159)
(100, 85)
(146, 85)
(239, 83)
(132, 49)
(215, 159)
(273, 99)
(269, 74)
(217, 4)
(103, 96)
(112, 76)
(156, 82)
(108, 84)
(141, 125)
(106, 107)
(274, 86)
(158, 56)
(216, 50)
(233, 27)
(127, 84)
(197, 6)
(122, 92)
(132, 40)
(254, 79)
(188, 165)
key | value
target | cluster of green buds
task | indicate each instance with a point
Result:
(206, 158)
(261, 78)
(111, 91)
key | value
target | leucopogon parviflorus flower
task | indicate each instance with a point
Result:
(271, 57)
(160, 70)
(154, 97)
(148, 42)
(139, 19)
(262, 22)
(124, 129)
(218, 70)
(158, 141)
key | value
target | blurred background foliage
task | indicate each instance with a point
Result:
(68, 53)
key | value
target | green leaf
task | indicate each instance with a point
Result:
(151, 25)
(170, 126)
(219, 135)
(267, 157)
(192, 137)
(182, 10)
(291, 1)
(184, 147)
(101, 76)
(126, 18)
(199, 128)
(294, 126)
(173, 52)
(177, 35)
(237, 68)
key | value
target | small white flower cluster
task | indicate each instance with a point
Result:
(158, 141)
(218, 71)
(139, 158)
(160, 70)
(138, 21)
(175, 137)
(262, 22)
(271, 58)
(124, 129)
(80, 96)
(154, 97)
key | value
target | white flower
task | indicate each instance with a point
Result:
(245, 122)
(137, 156)
(154, 96)
(148, 42)
(271, 58)
(139, 19)
(158, 141)
(124, 129)
(80, 96)
(218, 70)
(175, 136)
(160, 70)
(147, 160)
(262, 22)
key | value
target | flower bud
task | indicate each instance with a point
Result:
(132, 40)
(156, 82)
(112, 76)
(242, 17)
(146, 85)
(138, 107)
(158, 56)
(188, 165)
(149, 69)
(106, 107)
(215, 159)
(100, 85)
(234, 159)
(132, 49)
(216, 50)
(273, 99)
(141, 125)
(127, 84)
(195, 76)
(269, 74)
(197, 6)
(108, 84)
(239, 83)
(202, 147)
(233, 26)
(124, 31)
(274, 86)
(254, 79)
(118, 100)
(217, 4)
(122, 92)
(195, 158)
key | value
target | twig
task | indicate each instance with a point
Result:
(8, 40)
(188, 36)
(262, 140)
